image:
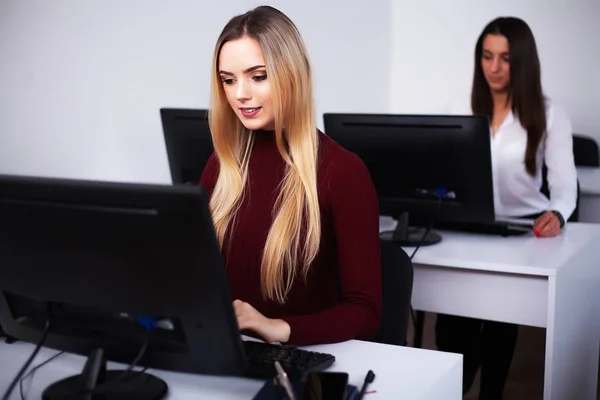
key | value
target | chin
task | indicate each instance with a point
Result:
(498, 87)
(253, 125)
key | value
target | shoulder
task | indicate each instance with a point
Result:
(337, 163)
(344, 182)
(556, 116)
(343, 177)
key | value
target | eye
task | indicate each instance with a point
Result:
(259, 78)
(227, 81)
(486, 57)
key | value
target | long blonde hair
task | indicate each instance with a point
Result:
(295, 233)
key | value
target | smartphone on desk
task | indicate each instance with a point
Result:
(327, 386)
(315, 386)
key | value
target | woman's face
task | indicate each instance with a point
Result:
(495, 62)
(243, 73)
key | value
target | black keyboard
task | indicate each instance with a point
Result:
(296, 362)
(500, 228)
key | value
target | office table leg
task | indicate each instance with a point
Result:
(573, 331)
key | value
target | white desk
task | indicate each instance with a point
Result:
(551, 283)
(589, 199)
(401, 373)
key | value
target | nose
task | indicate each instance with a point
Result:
(496, 64)
(244, 91)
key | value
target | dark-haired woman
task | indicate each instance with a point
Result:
(527, 131)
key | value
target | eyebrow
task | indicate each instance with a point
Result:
(246, 71)
(504, 53)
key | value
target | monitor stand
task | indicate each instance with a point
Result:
(134, 385)
(405, 235)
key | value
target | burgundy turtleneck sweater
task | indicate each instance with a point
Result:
(341, 297)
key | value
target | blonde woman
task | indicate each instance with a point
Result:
(295, 214)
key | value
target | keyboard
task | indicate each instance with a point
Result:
(296, 362)
(500, 228)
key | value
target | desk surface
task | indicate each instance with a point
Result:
(524, 254)
(401, 372)
(589, 180)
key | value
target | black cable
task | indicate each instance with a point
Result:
(429, 228)
(33, 370)
(106, 385)
(133, 364)
(14, 382)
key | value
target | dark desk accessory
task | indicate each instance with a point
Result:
(368, 379)
(314, 386)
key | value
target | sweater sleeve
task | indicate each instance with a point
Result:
(355, 214)
(208, 180)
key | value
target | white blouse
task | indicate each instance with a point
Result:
(516, 193)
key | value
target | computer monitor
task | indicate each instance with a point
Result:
(113, 268)
(188, 142)
(423, 167)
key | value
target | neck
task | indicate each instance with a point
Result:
(263, 135)
(501, 100)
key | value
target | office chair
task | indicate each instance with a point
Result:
(586, 152)
(397, 283)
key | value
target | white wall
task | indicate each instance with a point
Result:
(81, 82)
(433, 42)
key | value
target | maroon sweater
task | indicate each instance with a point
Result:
(341, 297)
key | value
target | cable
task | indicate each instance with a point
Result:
(33, 370)
(429, 228)
(440, 194)
(121, 377)
(12, 385)
(128, 370)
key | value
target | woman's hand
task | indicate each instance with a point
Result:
(546, 225)
(271, 330)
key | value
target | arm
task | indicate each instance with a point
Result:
(562, 174)
(355, 215)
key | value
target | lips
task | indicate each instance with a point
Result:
(250, 112)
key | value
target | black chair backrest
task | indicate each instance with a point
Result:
(586, 152)
(397, 284)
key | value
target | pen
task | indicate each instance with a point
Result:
(284, 381)
(368, 379)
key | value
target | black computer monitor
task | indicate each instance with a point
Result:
(112, 268)
(423, 167)
(188, 142)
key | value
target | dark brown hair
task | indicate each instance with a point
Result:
(525, 88)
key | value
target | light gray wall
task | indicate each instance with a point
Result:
(82, 82)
